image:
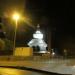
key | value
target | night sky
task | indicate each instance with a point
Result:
(52, 14)
(59, 14)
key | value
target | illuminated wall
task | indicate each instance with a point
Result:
(23, 51)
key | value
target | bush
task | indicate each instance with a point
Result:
(2, 44)
(8, 44)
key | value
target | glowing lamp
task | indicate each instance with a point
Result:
(16, 16)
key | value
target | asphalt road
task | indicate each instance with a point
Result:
(61, 66)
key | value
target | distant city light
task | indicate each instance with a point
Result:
(53, 53)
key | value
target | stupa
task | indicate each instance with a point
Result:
(38, 40)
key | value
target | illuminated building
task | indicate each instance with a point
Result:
(38, 41)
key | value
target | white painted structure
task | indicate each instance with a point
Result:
(38, 40)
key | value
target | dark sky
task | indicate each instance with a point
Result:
(55, 14)
(51, 13)
(58, 13)
(9, 6)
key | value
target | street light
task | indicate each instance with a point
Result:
(16, 17)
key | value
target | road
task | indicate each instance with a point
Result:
(62, 66)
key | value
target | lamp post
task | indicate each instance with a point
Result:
(16, 18)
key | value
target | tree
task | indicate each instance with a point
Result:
(2, 44)
(8, 44)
